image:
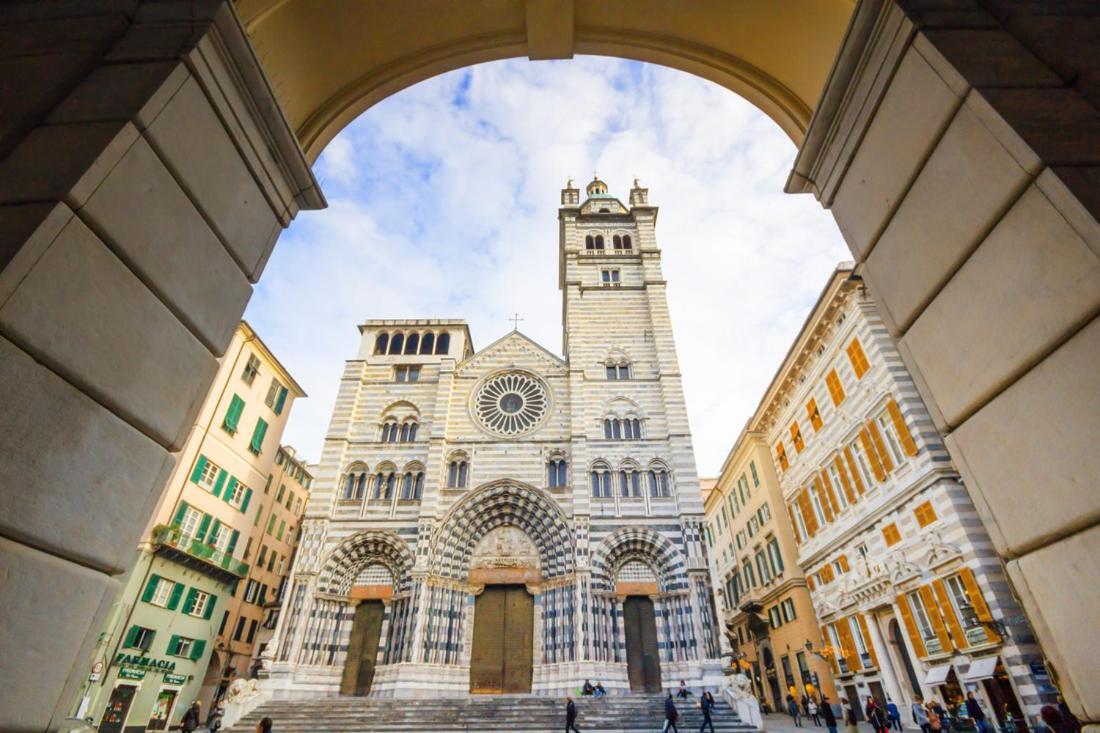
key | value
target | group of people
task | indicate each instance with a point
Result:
(192, 720)
(706, 706)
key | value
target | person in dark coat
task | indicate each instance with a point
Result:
(264, 726)
(875, 716)
(828, 714)
(706, 704)
(671, 714)
(588, 689)
(974, 710)
(793, 711)
(570, 716)
(192, 719)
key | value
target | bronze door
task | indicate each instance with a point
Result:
(643, 666)
(366, 631)
(504, 635)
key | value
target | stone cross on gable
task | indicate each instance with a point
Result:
(515, 321)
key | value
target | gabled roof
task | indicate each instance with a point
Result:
(523, 341)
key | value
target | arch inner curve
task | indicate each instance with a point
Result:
(630, 544)
(343, 566)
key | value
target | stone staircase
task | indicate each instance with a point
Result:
(527, 713)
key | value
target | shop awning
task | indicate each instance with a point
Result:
(981, 669)
(937, 675)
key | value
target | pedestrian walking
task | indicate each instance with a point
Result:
(894, 715)
(264, 726)
(850, 717)
(935, 722)
(793, 711)
(977, 714)
(192, 718)
(671, 714)
(828, 714)
(570, 715)
(811, 710)
(875, 716)
(920, 716)
(706, 705)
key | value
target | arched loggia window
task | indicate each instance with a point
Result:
(443, 343)
(630, 483)
(557, 473)
(390, 431)
(427, 344)
(457, 473)
(590, 242)
(599, 241)
(397, 343)
(626, 241)
(412, 486)
(658, 482)
(355, 485)
(381, 342)
(615, 428)
(412, 343)
(601, 481)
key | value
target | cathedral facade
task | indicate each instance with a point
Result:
(505, 519)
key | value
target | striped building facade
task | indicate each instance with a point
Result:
(912, 599)
(449, 473)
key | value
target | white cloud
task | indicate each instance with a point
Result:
(443, 203)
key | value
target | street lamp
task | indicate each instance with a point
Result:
(970, 620)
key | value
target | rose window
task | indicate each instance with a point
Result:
(511, 404)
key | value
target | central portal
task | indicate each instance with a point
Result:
(501, 658)
(643, 666)
(366, 631)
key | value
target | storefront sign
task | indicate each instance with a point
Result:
(133, 660)
(175, 679)
(126, 673)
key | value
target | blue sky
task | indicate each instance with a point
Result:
(443, 203)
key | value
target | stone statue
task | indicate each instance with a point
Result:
(241, 689)
(740, 686)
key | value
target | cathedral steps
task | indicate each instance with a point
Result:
(623, 714)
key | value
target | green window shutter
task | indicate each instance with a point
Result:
(131, 636)
(229, 489)
(199, 466)
(271, 524)
(282, 527)
(247, 498)
(174, 599)
(150, 588)
(220, 482)
(173, 644)
(210, 603)
(178, 519)
(191, 593)
(213, 531)
(257, 444)
(197, 649)
(204, 524)
(280, 401)
(233, 414)
(232, 542)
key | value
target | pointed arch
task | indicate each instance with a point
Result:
(381, 343)
(443, 344)
(412, 343)
(427, 344)
(495, 505)
(646, 545)
(384, 547)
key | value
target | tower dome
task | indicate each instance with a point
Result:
(596, 187)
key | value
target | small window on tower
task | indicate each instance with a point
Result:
(590, 242)
(626, 241)
(609, 277)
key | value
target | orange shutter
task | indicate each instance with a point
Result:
(844, 480)
(848, 645)
(925, 514)
(935, 617)
(781, 454)
(843, 560)
(836, 652)
(876, 437)
(911, 626)
(814, 414)
(807, 513)
(828, 510)
(858, 358)
(978, 602)
(794, 527)
(867, 639)
(810, 583)
(948, 610)
(829, 491)
(855, 470)
(876, 464)
(796, 437)
(836, 389)
(903, 430)
(891, 534)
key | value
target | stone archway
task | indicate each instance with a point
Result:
(343, 564)
(956, 146)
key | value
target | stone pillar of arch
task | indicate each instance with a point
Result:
(958, 147)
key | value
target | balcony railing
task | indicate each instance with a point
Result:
(192, 547)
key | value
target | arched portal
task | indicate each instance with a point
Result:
(373, 547)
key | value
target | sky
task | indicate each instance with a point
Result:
(443, 203)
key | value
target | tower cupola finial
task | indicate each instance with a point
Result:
(596, 187)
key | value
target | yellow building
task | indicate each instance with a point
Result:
(762, 598)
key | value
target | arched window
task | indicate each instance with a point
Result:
(391, 480)
(457, 471)
(618, 371)
(390, 431)
(607, 428)
(556, 473)
(658, 482)
(355, 486)
(412, 430)
(405, 433)
(599, 241)
(626, 241)
(427, 343)
(589, 242)
(397, 343)
(383, 485)
(632, 429)
(443, 343)
(413, 343)
(418, 486)
(601, 481)
(408, 486)
(381, 342)
(630, 482)
(617, 242)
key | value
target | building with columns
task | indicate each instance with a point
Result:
(506, 519)
(763, 601)
(912, 599)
